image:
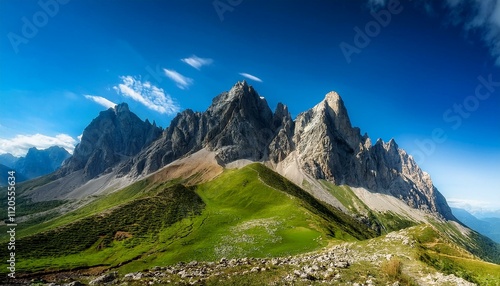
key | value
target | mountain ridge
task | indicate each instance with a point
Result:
(240, 125)
(319, 144)
(489, 227)
(36, 162)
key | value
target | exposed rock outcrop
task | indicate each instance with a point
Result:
(237, 125)
(343, 156)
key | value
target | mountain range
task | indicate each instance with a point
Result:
(240, 180)
(36, 163)
(487, 226)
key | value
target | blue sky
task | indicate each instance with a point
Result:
(423, 73)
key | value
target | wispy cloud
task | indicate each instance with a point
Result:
(251, 77)
(197, 62)
(182, 82)
(482, 16)
(19, 145)
(101, 100)
(147, 94)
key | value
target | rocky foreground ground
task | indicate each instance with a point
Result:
(342, 264)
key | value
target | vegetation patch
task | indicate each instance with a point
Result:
(250, 212)
(393, 269)
(141, 218)
(341, 220)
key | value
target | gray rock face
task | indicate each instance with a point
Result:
(237, 125)
(116, 134)
(343, 156)
(282, 144)
(240, 125)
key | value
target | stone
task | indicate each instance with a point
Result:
(320, 143)
(75, 283)
(341, 264)
(105, 278)
(255, 269)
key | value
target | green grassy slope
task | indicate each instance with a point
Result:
(379, 222)
(437, 249)
(246, 212)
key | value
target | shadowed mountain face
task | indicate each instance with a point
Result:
(237, 125)
(116, 134)
(36, 163)
(240, 125)
(41, 162)
(8, 160)
(486, 226)
(4, 181)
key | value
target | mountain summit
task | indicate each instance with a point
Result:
(235, 126)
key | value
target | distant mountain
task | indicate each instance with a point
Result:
(37, 163)
(8, 160)
(3, 171)
(489, 227)
(4, 175)
(481, 213)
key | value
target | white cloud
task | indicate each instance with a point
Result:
(197, 62)
(249, 76)
(182, 82)
(19, 145)
(147, 94)
(101, 100)
(79, 137)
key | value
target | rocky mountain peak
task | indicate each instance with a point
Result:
(113, 136)
(122, 108)
(241, 95)
(334, 101)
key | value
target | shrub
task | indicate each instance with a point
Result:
(392, 268)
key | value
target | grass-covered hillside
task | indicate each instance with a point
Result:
(248, 212)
